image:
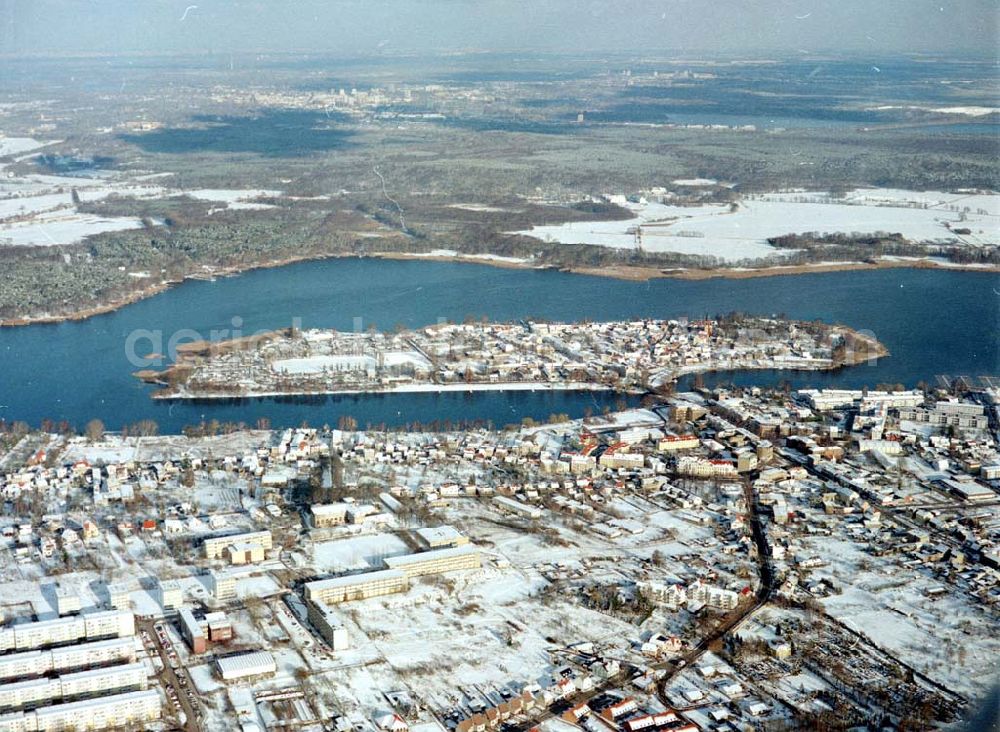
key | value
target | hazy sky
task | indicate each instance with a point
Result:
(345, 27)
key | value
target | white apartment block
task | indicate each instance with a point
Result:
(826, 399)
(118, 596)
(82, 684)
(223, 585)
(170, 594)
(614, 460)
(949, 414)
(216, 545)
(67, 600)
(118, 710)
(36, 663)
(671, 443)
(42, 633)
(716, 597)
(328, 625)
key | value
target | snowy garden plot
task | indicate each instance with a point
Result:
(117, 449)
(948, 638)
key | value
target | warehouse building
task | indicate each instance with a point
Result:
(509, 504)
(246, 665)
(215, 545)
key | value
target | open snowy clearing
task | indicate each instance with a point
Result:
(733, 235)
(58, 227)
(19, 145)
(364, 552)
(230, 195)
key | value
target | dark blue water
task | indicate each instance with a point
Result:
(933, 322)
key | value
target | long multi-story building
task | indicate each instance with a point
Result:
(672, 443)
(84, 655)
(949, 414)
(35, 693)
(396, 578)
(328, 624)
(701, 468)
(44, 633)
(192, 632)
(826, 399)
(215, 545)
(117, 710)
(440, 537)
(437, 561)
(357, 586)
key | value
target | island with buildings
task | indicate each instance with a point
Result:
(633, 356)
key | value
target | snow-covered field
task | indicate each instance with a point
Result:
(359, 552)
(18, 145)
(236, 200)
(229, 195)
(715, 230)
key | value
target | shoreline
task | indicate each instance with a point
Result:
(660, 379)
(402, 389)
(619, 272)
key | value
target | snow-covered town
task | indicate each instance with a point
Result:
(723, 559)
(622, 356)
